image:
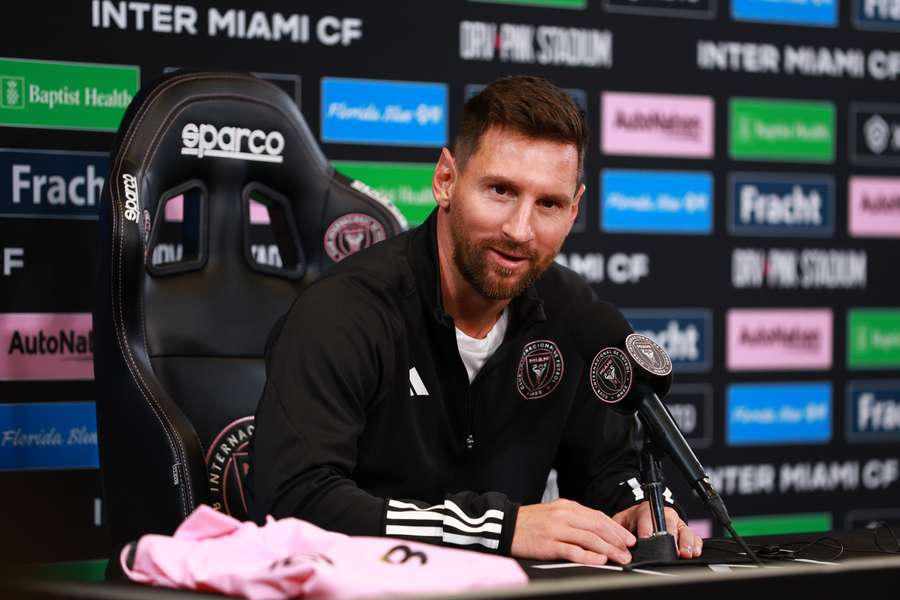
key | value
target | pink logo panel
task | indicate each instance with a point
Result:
(779, 339)
(657, 124)
(46, 346)
(873, 207)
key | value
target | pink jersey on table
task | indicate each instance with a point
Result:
(213, 552)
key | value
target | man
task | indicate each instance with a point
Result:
(424, 388)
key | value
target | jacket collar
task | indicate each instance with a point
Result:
(524, 310)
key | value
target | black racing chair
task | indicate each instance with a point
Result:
(218, 209)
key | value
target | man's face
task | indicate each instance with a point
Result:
(511, 209)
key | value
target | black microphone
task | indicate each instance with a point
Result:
(629, 372)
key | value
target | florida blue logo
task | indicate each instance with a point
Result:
(817, 13)
(778, 413)
(368, 111)
(656, 202)
(48, 435)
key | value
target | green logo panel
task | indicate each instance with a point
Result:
(788, 130)
(64, 95)
(778, 524)
(873, 338)
(408, 185)
(577, 4)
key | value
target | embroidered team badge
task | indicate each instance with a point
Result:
(227, 463)
(611, 375)
(351, 233)
(540, 369)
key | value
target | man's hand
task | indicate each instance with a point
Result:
(566, 530)
(639, 520)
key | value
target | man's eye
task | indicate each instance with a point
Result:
(502, 190)
(549, 204)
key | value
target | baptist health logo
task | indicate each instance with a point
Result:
(13, 92)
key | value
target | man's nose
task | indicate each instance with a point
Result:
(518, 224)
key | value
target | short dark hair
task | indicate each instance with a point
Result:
(531, 106)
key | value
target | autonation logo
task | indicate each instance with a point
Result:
(46, 346)
(367, 111)
(656, 201)
(778, 339)
(778, 413)
(780, 204)
(685, 334)
(657, 125)
(873, 207)
(817, 13)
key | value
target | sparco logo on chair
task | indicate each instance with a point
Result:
(131, 197)
(228, 142)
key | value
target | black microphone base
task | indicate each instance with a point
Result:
(659, 549)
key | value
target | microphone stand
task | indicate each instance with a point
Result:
(660, 547)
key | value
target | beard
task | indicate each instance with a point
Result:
(491, 280)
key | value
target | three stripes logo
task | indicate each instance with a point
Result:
(416, 385)
(445, 523)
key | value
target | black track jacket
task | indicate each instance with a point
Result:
(368, 424)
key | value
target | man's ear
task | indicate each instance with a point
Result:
(444, 179)
(576, 202)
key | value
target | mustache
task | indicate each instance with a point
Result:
(511, 248)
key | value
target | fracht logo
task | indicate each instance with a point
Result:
(780, 204)
(873, 411)
(367, 111)
(685, 334)
(64, 95)
(51, 184)
(778, 413)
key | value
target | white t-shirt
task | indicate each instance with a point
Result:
(474, 352)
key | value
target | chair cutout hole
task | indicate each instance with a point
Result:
(177, 242)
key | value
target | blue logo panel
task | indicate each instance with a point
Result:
(51, 184)
(873, 411)
(48, 435)
(656, 202)
(778, 413)
(818, 13)
(780, 204)
(880, 15)
(366, 111)
(685, 334)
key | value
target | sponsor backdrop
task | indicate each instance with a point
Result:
(743, 208)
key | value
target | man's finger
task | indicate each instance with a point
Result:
(645, 523)
(592, 542)
(603, 526)
(577, 554)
